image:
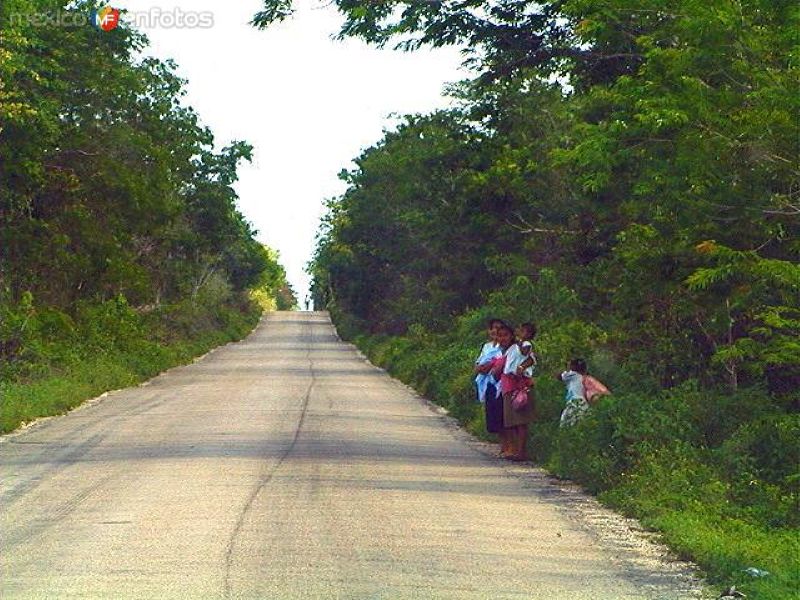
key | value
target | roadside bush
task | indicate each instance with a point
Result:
(716, 472)
(771, 445)
(762, 459)
(62, 360)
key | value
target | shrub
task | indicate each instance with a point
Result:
(63, 360)
(716, 472)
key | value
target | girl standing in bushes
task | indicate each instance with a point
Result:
(515, 384)
(486, 383)
(575, 398)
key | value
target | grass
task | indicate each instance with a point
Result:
(725, 547)
(76, 372)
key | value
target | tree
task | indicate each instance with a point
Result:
(668, 128)
(110, 184)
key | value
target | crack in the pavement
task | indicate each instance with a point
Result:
(267, 476)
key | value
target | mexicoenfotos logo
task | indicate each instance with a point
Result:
(109, 18)
(106, 18)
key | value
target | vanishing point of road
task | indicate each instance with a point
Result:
(286, 466)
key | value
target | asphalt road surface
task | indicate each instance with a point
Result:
(286, 466)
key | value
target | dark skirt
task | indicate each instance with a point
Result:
(494, 410)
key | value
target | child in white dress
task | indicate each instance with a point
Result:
(575, 397)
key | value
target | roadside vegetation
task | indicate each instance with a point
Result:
(122, 251)
(714, 471)
(624, 174)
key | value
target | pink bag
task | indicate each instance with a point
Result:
(593, 389)
(520, 399)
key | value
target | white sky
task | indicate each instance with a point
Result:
(307, 103)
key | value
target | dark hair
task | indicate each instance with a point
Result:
(530, 328)
(492, 322)
(578, 365)
(505, 327)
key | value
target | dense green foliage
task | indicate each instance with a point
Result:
(69, 358)
(715, 471)
(111, 192)
(626, 175)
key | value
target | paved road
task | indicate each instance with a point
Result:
(285, 466)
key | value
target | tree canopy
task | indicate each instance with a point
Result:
(657, 175)
(110, 184)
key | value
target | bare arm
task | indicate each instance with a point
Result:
(483, 368)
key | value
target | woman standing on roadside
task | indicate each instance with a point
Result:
(487, 385)
(483, 364)
(515, 383)
(505, 341)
